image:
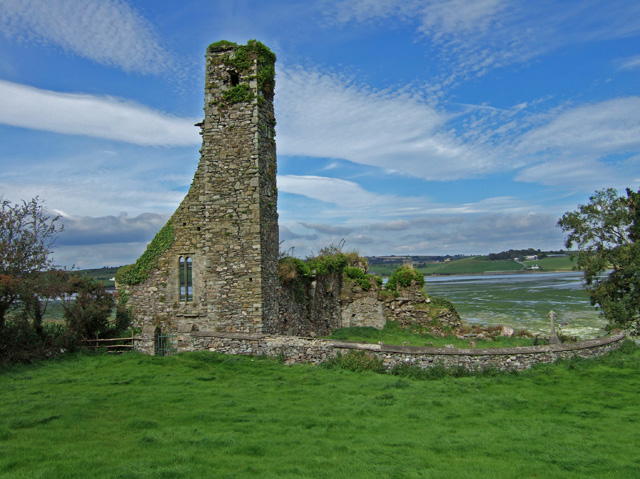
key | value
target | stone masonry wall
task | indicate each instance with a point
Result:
(366, 308)
(228, 222)
(310, 310)
(300, 350)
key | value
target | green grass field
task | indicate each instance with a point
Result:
(208, 415)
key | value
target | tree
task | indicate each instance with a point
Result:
(87, 307)
(38, 290)
(606, 232)
(27, 234)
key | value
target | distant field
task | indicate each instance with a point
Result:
(480, 264)
(104, 275)
(208, 415)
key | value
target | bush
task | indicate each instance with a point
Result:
(327, 263)
(291, 269)
(123, 312)
(403, 276)
(354, 273)
(21, 343)
(359, 276)
(87, 308)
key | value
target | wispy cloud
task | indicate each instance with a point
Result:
(343, 193)
(598, 129)
(466, 234)
(109, 32)
(95, 116)
(474, 36)
(330, 116)
(631, 63)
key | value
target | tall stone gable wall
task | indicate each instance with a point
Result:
(228, 222)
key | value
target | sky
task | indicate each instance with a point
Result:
(422, 127)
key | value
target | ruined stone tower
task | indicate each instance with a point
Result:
(215, 262)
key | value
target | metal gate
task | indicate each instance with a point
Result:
(165, 344)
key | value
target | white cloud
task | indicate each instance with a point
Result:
(87, 230)
(342, 193)
(98, 255)
(89, 115)
(434, 235)
(631, 63)
(599, 129)
(328, 116)
(109, 32)
(82, 179)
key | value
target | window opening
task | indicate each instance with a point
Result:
(235, 78)
(186, 278)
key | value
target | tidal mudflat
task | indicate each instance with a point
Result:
(522, 300)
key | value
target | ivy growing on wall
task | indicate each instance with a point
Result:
(139, 272)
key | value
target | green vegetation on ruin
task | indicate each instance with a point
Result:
(404, 276)
(364, 280)
(241, 61)
(139, 272)
(204, 414)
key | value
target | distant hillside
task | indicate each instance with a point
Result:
(104, 275)
(435, 265)
(384, 265)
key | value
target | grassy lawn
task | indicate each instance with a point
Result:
(208, 415)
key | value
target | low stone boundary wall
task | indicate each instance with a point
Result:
(300, 350)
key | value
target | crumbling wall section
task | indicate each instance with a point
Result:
(310, 308)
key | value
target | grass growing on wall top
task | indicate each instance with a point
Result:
(208, 415)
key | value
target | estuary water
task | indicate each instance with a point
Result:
(521, 301)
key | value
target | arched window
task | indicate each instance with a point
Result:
(186, 278)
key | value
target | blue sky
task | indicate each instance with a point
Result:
(404, 127)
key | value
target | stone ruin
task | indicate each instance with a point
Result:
(215, 262)
(214, 266)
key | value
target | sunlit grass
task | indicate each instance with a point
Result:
(208, 415)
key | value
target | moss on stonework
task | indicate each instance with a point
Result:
(139, 272)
